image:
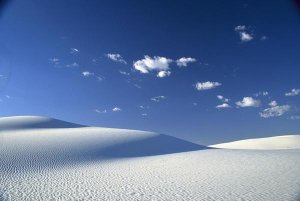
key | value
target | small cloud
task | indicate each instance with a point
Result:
(116, 109)
(148, 64)
(240, 28)
(87, 74)
(158, 98)
(295, 118)
(124, 73)
(54, 61)
(225, 100)
(275, 111)
(74, 51)
(7, 96)
(100, 78)
(144, 114)
(245, 37)
(262, 93)
(273, 104)
(183, 62)
(195, 104)
(144, 107)
(101, 112)
(224, 105)
(72, 65)
(201, 86)
(293, 92)
(243, 33)
(116, 58)
(163, 73)
(248, 102)
(137, 86)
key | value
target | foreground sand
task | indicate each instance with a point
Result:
(45, 159)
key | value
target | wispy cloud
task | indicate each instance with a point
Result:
(72, 65)
(262, 93)
(116, 109)
(74, 51)
(116, 58)
(183, 62)
(148, 64)
(158, 98)
(100, 111)
(293, 92)
(264, 38)
(275, 111)
(124, 73)
(248, 102)
(295, 118)
(54, 61)
(100, 78)
(87, 74)
(163, 73)
(144, 107)
(242, 30)
(201, 86)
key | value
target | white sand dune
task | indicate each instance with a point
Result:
(48, 159)
(269, 143)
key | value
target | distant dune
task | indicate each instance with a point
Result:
(269, 143)
(48, 159)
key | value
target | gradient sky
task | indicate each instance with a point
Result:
(98, 63)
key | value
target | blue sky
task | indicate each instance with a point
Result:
(206, 71)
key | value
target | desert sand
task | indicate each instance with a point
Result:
(48, 159)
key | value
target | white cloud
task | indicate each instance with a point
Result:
(293, 92)
(295, 117)
(74, 51)
(163, 73)
(148, 64)
(244, 35)
(116, 57)
(100, 112)
(248, 102)
(182, 62)
(158, 98)
(124, 73)
(144, 114)
(72, 65)
(206, 85)
(273, 104)
(195, 104)
(87, 74)
(220, 97)
(116, 109)
(240, 28)
(225, 100)
(275, 111)
(224, 105)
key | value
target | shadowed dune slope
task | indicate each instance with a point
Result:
(41, 142)
(33, 122)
